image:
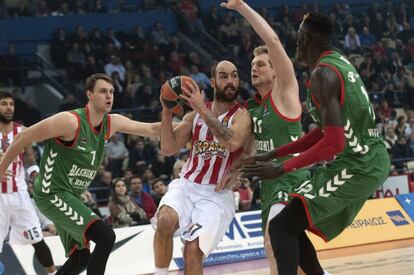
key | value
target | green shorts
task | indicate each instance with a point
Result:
(277, 190)
(71, 217)
(336, 193)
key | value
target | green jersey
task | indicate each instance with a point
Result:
(71, 168)
(335, 193)
(358, 116)
(271, 129)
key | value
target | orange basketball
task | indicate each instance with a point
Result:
(170, 94)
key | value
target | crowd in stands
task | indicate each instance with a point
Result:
(378, 39)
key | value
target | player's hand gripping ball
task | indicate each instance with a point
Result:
(170, 94)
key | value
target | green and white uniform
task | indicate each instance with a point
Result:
(336, 193)
(65, 173)
(271, 130)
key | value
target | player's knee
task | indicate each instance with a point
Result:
(43, 254)
(167, 221)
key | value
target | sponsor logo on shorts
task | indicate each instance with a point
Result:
(397, 218)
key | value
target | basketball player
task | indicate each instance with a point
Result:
(73, 152)
(276, 114)
(192, 209)
(339, 104)
(17, 213)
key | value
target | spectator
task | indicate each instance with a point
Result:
(110, 36)
(75, 59)
(162, 165)
(246, 195)
(141, 198)
(138, 157)
(403, 129)
(367, 39)
(390, 138)
(178, 166)
(212, 21)
(42, 8)
(158, 190)
(147, 178)
(69, 103)
(199, 77)
(116, 154)
(99, 7)
(401, 150)
(124, 212)
(406, 34)
(352, 43)
(115, 65)
(158, 35)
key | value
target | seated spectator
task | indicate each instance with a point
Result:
(99, 7)
(158, 190)
(124, 212)
(75, 59)
(115, 65)
(352, 43)
(69, 103)
(390, 138)
(177, 167)
(199, 77)
(367, 39)
(141, 198)
(162, 165)
(116, 154)
(401, 150)
(158, 35)
(403, 128)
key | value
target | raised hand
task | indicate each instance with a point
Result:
(232, 4)
(193, 96)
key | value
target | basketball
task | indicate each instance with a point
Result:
(170, 94)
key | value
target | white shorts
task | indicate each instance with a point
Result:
(18, 215)
(202, 212)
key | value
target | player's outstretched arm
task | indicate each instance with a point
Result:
(62, 125)
(282, 65)
(173, 140)
(123, 124)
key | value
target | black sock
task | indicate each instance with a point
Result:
(43, 254)
(308, 260)
(76, 263)
(284, 231)
(104, 238)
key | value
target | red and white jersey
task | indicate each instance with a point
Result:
(208, 160)
(16, 182)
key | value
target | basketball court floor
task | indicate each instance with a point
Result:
(390, 258)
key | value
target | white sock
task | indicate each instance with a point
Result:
(161, 271)
(326, 273)
(52, 273)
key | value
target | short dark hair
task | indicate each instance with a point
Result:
(319, 23)
(5, 94)
(135, 176)
(91, 80)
